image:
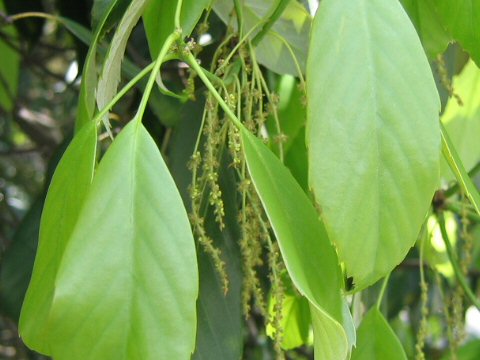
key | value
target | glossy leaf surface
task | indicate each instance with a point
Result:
(292, 27)
(373, 138)
(128, 282)
(376, 339)
(304, 244)
(65, 197)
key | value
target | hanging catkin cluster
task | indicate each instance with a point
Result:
(242, 86)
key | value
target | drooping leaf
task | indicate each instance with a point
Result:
(330, 342)
(112, 65)
(456, 165)
(9, 69)
(461, 18)
(462, 121)
(430, 29)
(310, 259)
(376, 339)
(17, 262)
(65, 197)
(373, 137)
(292, 27)
(159, 19)
(293, 217)
(128, 282)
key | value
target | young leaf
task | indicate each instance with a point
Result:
(65, 197)
(372, 132)
(159, 17)
(461, 18)
(304, 244)
(112, 66)
(292, 28)
(128, 282)
(9, 69)
(376, 340)
(462, 121)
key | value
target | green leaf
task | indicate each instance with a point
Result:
(376, 340)
(9, 68)
(293, 217)
(456, 165)
(462, 121)
(292, 112)
(17, 262)
(112, 66)
(65, 197)
(159, 20)
(330, 342)
(86, 102)
(429, 26)
(293, 28)
(295, 321)
(461, 18)
(310, 259)
(128, 282)
(372, 132)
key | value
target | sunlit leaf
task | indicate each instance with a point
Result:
(128, 282)
(376, 339)
(456, 165)
(293, 27)
(462, 121)
(65, 197)
(373, 137)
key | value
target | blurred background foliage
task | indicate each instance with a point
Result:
(39, 87)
